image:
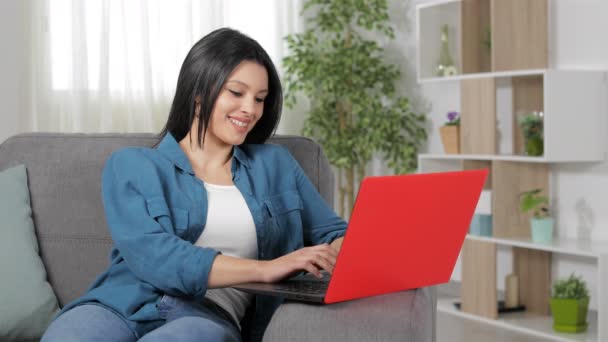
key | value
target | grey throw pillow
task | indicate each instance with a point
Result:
(27, 301)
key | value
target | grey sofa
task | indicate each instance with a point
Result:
(64, 173)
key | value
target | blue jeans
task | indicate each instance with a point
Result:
(185, 321)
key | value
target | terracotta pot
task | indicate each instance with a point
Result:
(450, 137)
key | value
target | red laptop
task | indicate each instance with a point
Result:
(405, 232)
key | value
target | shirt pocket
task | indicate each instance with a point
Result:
(284, 209)
(173, 220)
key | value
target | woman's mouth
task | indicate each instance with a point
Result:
(239, 125)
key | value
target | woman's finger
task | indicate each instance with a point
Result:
(323, 263)
(326, 248)
(311, 268)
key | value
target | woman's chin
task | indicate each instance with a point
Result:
(235, 140)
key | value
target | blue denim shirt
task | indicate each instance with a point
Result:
(156, 209)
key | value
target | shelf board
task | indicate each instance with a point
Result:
(484, 157)
(497, 74)
(592, 249)
(436, 3)
(525, 322)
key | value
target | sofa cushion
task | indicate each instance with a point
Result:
(28, 301)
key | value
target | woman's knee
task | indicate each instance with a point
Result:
(88, 323)
(193, 328)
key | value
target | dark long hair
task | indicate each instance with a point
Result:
(205, 70)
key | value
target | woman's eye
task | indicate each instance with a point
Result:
(235, 93)
(258, 100)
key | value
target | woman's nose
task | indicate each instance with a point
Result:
(249, 105)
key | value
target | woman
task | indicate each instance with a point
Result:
(211, 206)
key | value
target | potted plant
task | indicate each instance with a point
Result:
(569, 304)
(532, 127)
(541, 223)
(450, 133)
(339, 64)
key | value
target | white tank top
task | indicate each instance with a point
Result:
(229, 229)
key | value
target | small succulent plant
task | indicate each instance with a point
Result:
(572, 287)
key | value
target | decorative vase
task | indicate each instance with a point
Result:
(534, 146)
(450, 137)
(481, 225)
(445, 64)
(569, 315)
(542, 229)
(512, 291)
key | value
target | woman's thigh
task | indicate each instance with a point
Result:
(192, 328)
(191, 321)
(88, 323)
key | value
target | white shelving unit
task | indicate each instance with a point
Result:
(497, 74)
(489, 157)
(573, 122)
(574, 104)
(428, 35)
(538, 325)
(523, 322)
(577, 247)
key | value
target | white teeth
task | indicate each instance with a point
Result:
(238, 123)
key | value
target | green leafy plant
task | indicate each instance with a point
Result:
(355, 111)
(533, 201)
(532, 127)
(572, 287)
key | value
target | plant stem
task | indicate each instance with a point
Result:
(341, 191)
(348, 119)
(350, 188)
(361, 173)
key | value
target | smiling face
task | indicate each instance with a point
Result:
(239, 105)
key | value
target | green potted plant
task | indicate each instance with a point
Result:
(541, 223)
(450, 133)
(569, 304)
(355, 111)
(532, 127)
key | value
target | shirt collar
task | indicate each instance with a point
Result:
(170, 148)
(241, 156)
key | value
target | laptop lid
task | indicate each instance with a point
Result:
(405, 232)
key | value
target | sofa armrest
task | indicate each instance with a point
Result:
(403, 316)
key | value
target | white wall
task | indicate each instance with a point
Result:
(10, 64)
(579, 192)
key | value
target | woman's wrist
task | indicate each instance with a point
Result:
(259, 271)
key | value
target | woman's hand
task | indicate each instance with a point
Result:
(311, 259)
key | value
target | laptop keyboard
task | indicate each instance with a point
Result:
(303, 286)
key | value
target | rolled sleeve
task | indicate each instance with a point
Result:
(147, 244)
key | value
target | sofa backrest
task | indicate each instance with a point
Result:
(64, 179)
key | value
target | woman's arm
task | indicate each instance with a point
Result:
(337, 244)
(228, 271)
(320, 222)
(132, 198)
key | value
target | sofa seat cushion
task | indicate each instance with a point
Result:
(28, 301)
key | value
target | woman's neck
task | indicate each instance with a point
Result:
(212, 155)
